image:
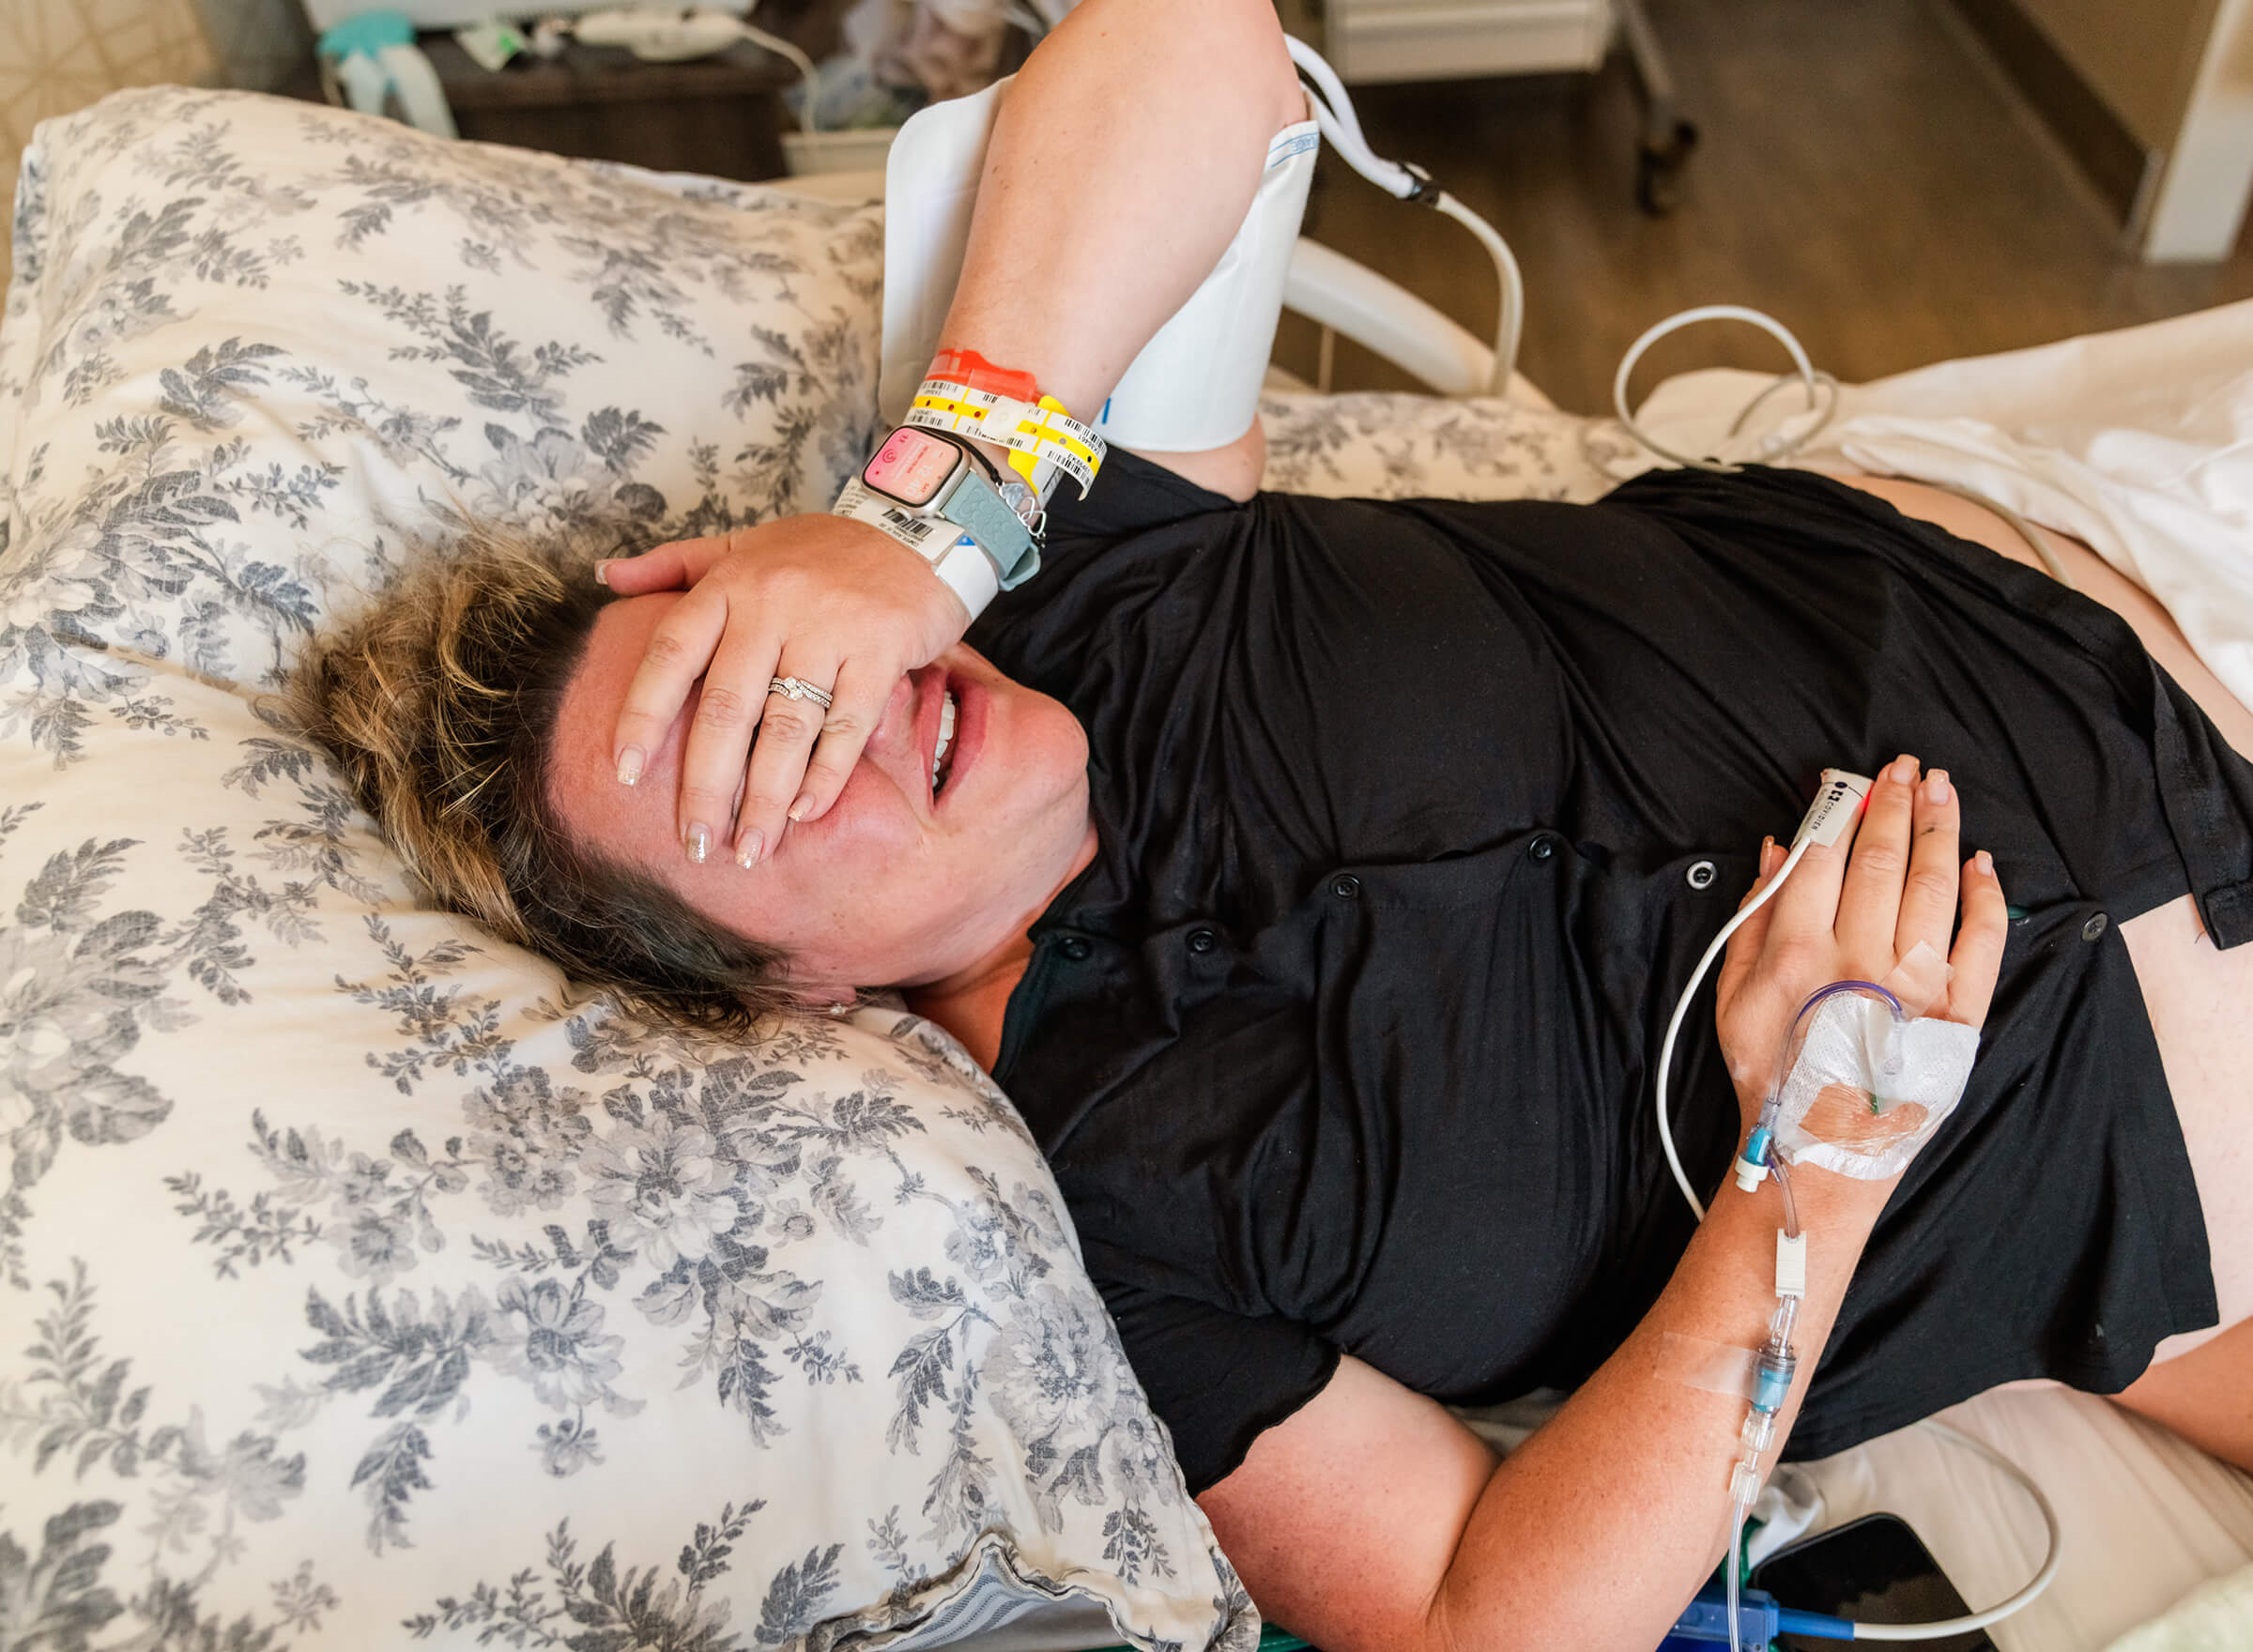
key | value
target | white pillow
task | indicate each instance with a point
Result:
(359, 1283)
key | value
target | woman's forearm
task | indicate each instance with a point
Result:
(1123, 160)
(1595, 1532)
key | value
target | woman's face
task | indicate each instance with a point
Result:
(896, 885)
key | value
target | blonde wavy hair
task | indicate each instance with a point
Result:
(440, 704)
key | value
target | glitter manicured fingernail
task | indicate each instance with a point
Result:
(700, 841)
(1935, 787)
(747, 852)
(802, 807)
(1986, 863)
(602, 572)
(629, 765)
(1905, 770)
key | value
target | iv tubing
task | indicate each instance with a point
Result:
(1791, 1035)
(1782, 1176)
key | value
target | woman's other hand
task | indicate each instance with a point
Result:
(1861, 916)
(831, 601)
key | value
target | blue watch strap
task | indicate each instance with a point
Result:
(978, 509)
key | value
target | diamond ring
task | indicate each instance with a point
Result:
(792, 688)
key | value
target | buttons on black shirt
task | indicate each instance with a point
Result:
(1203, 940)
(1542, 848)
(1075, 948)
(2094, 928)
(1345, 886)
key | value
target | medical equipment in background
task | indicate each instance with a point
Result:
(1334, 114)
(371, 62)
(455, 14)
(1373, 40)
(1218, 341)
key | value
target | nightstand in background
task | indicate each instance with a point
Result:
(722, 115)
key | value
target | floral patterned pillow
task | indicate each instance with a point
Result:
(360, 1282)
(1378, 445)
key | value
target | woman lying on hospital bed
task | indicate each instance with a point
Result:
(1318, 876)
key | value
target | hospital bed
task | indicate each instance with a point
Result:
(366, 1282)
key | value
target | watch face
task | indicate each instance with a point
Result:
(912, 466)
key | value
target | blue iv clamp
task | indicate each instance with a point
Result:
(1759, 1620)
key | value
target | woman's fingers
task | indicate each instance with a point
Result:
(1807, 907)
(1869, 899)
(787, 728)
(680, 647)
(729, 707)
(1977, 960)
(1751, 935)
(856, 707)
(1928, 894)
(668, 566)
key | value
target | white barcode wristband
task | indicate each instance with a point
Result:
(953, 554)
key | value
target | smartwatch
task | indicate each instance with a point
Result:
(941, 497)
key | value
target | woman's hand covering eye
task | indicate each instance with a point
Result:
(829, 601)
(1857, 916)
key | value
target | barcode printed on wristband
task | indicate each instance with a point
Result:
(915, 532)
(1045, 431)
(919, 528)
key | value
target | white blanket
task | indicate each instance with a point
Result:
(2139, 442)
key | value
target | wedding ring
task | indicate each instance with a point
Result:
(792, 688)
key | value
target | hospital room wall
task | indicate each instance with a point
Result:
(2154, 98)
(60, 55)
(2139, 55)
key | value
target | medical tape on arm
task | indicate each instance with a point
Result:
(1920, 979)
(1717, 1367)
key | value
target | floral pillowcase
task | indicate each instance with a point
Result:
(359, 1282)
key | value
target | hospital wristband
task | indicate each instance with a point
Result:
(965, 567)
(1042, 437)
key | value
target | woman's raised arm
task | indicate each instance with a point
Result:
(1372, 1520)
(1128, 152)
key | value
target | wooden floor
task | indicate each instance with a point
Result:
(1865, 175)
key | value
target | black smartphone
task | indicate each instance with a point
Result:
(1874, 1569)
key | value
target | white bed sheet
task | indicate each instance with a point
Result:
(2147, 1517)
(2139, 441)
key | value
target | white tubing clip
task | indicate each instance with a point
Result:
(1791, 1263)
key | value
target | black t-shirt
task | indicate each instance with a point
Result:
(1414, 819)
